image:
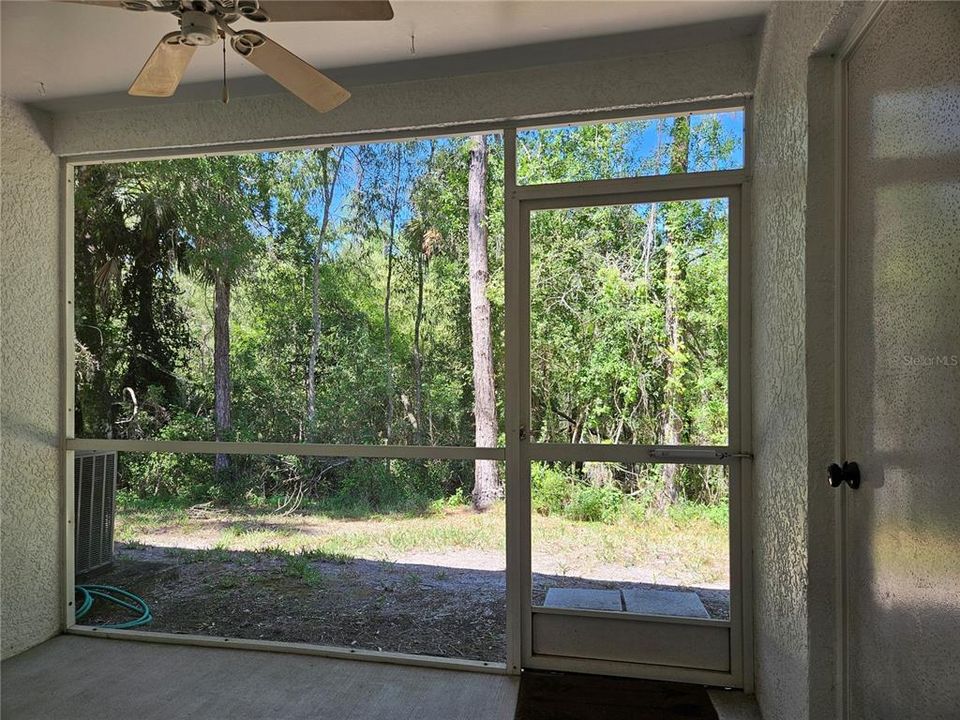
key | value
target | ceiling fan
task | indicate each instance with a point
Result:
(205, 22)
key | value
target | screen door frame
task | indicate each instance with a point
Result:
(708, 651)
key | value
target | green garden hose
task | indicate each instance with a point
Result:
(110, 594)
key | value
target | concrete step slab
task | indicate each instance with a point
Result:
(583, 599)
(681, 603)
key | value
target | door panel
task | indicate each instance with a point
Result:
(902, 364)
(686, 645)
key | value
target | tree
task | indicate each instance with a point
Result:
(297, 295)
(486, 487)
(378, 204)
(220, 201)
(305, 184)
(673, 281)
(126, 294)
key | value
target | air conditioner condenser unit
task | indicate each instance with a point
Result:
(95, 491)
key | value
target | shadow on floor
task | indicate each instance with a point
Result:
(346, 602)
(567, 696)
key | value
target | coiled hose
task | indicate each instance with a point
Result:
(115, 595)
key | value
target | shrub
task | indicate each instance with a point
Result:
(460, 498)
(595, 504)
(549, 490)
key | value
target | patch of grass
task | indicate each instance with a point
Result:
(688, 543)
(327, 556)
(191, 555)
(299, 567)
(685, 513)
(227, 582)
(244, 537)
(137, 517)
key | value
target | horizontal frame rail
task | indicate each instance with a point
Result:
(656, 454)
(189, 447)
(629, 616)
(646, 671)
(703, 182)
(430, 661)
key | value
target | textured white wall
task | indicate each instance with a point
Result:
(717, 70)
(782, 471)
(30, 549)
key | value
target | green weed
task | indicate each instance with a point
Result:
(299, 567)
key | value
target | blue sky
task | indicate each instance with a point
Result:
(641, 146)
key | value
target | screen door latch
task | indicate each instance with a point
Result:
(848, 473)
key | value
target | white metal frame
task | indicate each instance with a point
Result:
(515, 455)
(522, 200)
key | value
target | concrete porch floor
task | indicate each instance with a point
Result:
(80, 678)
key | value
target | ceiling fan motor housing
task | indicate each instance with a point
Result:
(199, 28)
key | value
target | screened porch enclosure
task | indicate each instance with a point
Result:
(312, 366)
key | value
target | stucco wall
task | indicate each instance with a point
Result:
(29, 382)
(782, 469)
(721, 69)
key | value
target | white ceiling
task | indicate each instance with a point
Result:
(81, 51)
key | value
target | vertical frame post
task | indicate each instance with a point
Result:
(512, 406)
(744, 292)
(67, 389)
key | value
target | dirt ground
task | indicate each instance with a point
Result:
(449, 603)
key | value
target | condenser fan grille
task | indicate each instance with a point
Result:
(95, 486)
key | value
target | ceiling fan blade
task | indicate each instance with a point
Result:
(307, 10)
(296, 75)
(163, 70)
(101, 3)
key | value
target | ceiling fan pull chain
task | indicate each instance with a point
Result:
(226, 94)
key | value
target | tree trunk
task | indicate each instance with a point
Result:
(649, 236)
(387, 340)
(387, 330)
(221, 365)
(418, 357)
(314, 340)
(326, 197)
(671, 422)
(486, 487)
(423, 252)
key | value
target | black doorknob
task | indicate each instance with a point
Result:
(834, 475)
(848, 473)
(851, 475)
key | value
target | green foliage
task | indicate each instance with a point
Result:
(460, 498)
(594, 504)
(308, 290)
(550, 489)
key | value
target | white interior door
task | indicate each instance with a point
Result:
(901, 389)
